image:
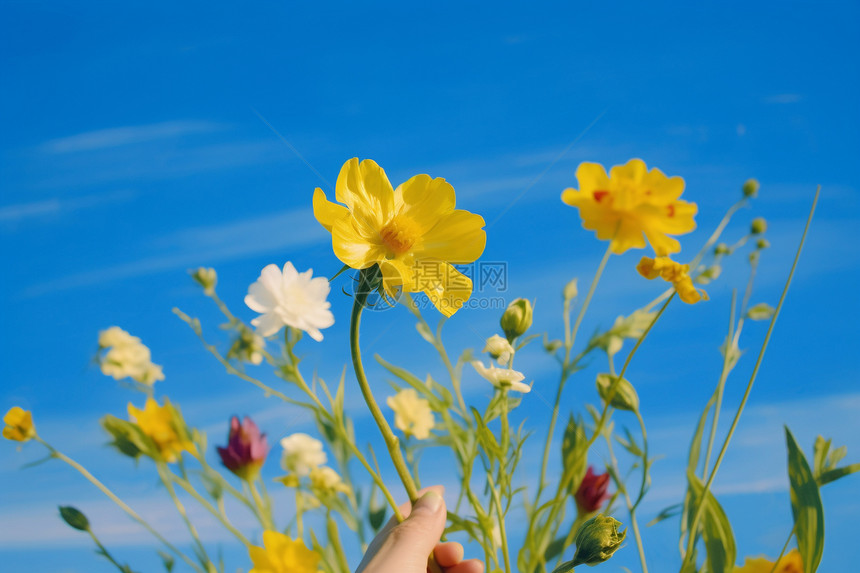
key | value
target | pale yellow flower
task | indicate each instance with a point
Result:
(790, 563)
(19, 425)
(127, 357)
(632, 204)
(165, 427)
(302, 453)
(502, 377)
(326, 481)
(412, 414)
(413, 233)
(281, 554)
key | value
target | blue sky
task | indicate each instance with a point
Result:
(139, 140)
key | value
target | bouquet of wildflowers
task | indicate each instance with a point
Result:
(404, 247)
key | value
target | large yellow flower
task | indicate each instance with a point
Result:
(413, 233)
(19, 425)
(164, 426)
(790, 563)
(283, 555)
(632, 204)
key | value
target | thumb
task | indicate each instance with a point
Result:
(410, 543)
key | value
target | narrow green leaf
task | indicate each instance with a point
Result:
(835, 474)
(805, 506)
(720, 549)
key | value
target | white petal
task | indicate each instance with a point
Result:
(267, 324)
(290, 273)
(260, 299)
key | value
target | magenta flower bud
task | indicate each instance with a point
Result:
(246, 448)
(592, 492)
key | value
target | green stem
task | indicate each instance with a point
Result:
(784, 547)
(691, 541)
(201, 550)
(718, 399)
(105, 552)
(501, 519)
(113, 497)
(265, 511)
(388, 436)
(631, 507)
(219, 515)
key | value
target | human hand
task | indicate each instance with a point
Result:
(404, 547)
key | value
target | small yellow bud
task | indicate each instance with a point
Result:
(570, 290)
(517, 318)
(762, 244)
(750, 188)
(722, 249)
(205, 277)
(759, 226)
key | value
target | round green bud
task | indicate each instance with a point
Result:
(597, 540)
(623, 395)
(517, 318)
(722, 249)
(750, 188)
(758, 226)
(570, 290)
(762, 244)
(74, 517)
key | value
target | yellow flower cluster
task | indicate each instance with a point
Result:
(281, 554)
(674, 273)
(412, 414)
(790, 563)
(19, 425)
(630, 205)
(164, 426)
(413, 233)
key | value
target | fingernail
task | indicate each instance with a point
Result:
(430, 502)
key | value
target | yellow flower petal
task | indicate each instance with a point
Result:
(364, 188)
(450, 292)
(458, 238)
(352, 248)
(424, 200)
(19, 424)
(327, 212)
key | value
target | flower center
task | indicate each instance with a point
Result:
(399, 234)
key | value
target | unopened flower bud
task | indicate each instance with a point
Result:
(592, 492)
(499, 348)
(750, 188)
(623, 395)
(552, 345)
(205, 277)
(762, 244)
(517, 318)
(722, 249)
(246, 449)
(597, 540)
(570, 290)
(759, 226)
(74, 518)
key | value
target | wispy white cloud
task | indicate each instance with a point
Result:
(118, 136)
(783, 98)
(14, 214)
(203, 245)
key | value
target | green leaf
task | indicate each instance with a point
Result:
(425, 332)
(720, 549)
(668, 512)
(835, 474)
(168, 561)
(805, 506)
(761, 311)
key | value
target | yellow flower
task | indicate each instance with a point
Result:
(164, 426)
(412, 414)
(674, 273)
(790, 563)
(326, 481)
(283, 555)
(413, 233)
(631, 202)
(19, 425)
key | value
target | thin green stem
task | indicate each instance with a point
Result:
(391, 441)
(631, 507)
(265, 510)
(201, 550)
(724, 374)
(219, 515)
(691, 541)
(113, 497)
(501, 519)
(105, 552)
(784, 547)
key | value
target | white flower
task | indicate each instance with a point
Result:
(326, 481)
(127, 357)
(499, 348)
(502, 377)
(412, 414)
(290, 299)
(302, 453)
